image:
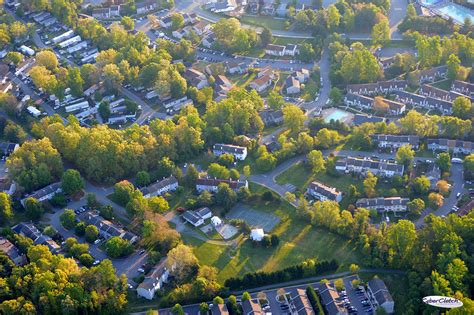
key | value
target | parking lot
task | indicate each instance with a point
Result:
(254, 218)
(128, 265)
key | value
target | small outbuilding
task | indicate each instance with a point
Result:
(257, 235)
(216, 221)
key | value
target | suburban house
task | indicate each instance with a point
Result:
(441, 105)
(357, 100)
(364, 165)
(240, 153)
(428, 90)
(12, 252)
(31, 231)
(190, 18)
(323, 192)
(211, 185)
(393, 142)
(271, 117)
(253, 6)
(7, 148)
(300, 303)
(395, 108)
(7, 185)
(381, 87)
(275, 50)
(44, 194)
(433, 173)
(261, 83)
(360, 119)
(251, 307)
(236, 67)
(410, 98)
(197, 217)
(208, 41)
(201, 27)
(457, 146)
(160, 187)
(179, 34)
(462, 87)
(106, 228)
(153, 281)
(222, 86)
(268, 7)
(146, 6)
(101, 13)
(222, 6)
(330, 300)
(166, 22)
(380, 295)
(432, 74)
(395, 204)
(196, 78)
(292, 85)
(219, 309)
(301, 75)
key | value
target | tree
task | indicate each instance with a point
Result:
(411, 11)
(274, 240)
(177, 310)
(421, 185)
(405, 155)
(380, 106)
(266, 37)
(443, 187)
(122, 192)
(454, 65)
(158, 204)
(336, 95)
(247, 170)
(143, 179)
(127, 23)
(191, 176)
(444, 162)
(104, 110)
(307, 53)
(6, 212)
(456, 274)
(47, 59)
(290, 197)
(416, 206)
(117, 247)
(333, 18)
(354, 268)
(91, 233)
(49, 231)
(369, 185)
(316, 160)
(293, 118)
(225, 196)
(177, 21)
(14, 132)
(435, 200)
(182, 261)
(112, 77)
(463, 108)
(246, 296)
(203, 308)
(68, 219)
(35, 164)
(218, 171)
(381, 33)
(33, 208)
(71, 182)
(14, 57)
(75, 81)
(218, 300)
(226, 159)
(80, 229)
(275, 100)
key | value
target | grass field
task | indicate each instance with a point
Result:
(264, 21)
(298, 241)
(444, 84)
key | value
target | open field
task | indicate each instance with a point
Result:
(264, 21)
(298, 241)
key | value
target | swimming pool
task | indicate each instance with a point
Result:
(429, 2)
(456, 12)
(337, 114)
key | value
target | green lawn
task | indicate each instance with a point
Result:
(298, 241)
(444, 84)
(264, 21)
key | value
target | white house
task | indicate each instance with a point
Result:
(240, 153)
(153, 282)
(257, 235)
(275, 50)
(394, 204)
(197, 217)
(160, 187)
(45, 193)
(216, 221)
(212, 185)
(322, 192)
(291, 50)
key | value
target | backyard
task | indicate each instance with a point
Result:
(298, 241)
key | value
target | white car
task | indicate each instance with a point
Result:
(141, 270)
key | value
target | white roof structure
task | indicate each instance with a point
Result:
(257, 235)
(216, 221)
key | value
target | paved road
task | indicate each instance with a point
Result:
(396, 15)
(290, 287)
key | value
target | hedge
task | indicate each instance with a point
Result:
(314, 300)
